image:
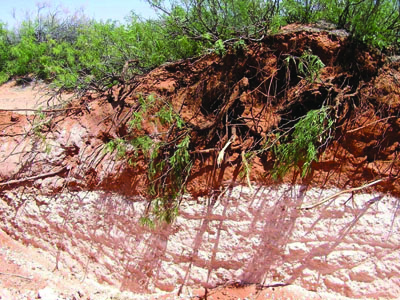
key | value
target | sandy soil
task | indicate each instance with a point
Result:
(25, 98)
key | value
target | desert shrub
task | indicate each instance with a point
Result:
(210, 21)
(26, 55)
(307, 65)
(97, 58)
(77, 53)
(154, 45)
(166, 155)
(375, 23)
(301, 11)
(53, 24)
(4, 52)
(41, 46)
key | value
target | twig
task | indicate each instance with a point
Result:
(204, 151)
(369, 124)
(340, 193)
(247, 168)
(221, 154)
(32, 178)
(15, 275)
(44, 110)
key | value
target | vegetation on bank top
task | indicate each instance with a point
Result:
(77, 53)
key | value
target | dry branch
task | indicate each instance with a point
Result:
(369, 124)
(43, 110)
(340, 193)
(15, 275)
(204, 151)
(32, 178)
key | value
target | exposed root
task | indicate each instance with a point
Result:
(22, 180)
(341, 193)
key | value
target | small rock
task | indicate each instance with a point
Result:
(47, 294)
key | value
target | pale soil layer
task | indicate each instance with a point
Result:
(27, 97)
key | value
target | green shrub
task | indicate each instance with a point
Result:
(301, 11)
(376, 23)
(308, 65)
(4, 52)
(373, 22)
(166, 156)
(301, 146)
(76, 53)
(26, 54)
(119, 145)
(210, 21)
(219, 48)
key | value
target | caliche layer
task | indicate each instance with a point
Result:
(350, 245)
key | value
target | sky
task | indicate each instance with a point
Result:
(100, 10)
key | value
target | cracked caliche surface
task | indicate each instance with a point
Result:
(29, 273)
(349, 247)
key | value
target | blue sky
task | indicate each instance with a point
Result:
(97, 9)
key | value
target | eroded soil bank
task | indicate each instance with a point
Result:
(244, 97)
(62, 191)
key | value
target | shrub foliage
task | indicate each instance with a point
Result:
(77, 53)
(300, 148)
